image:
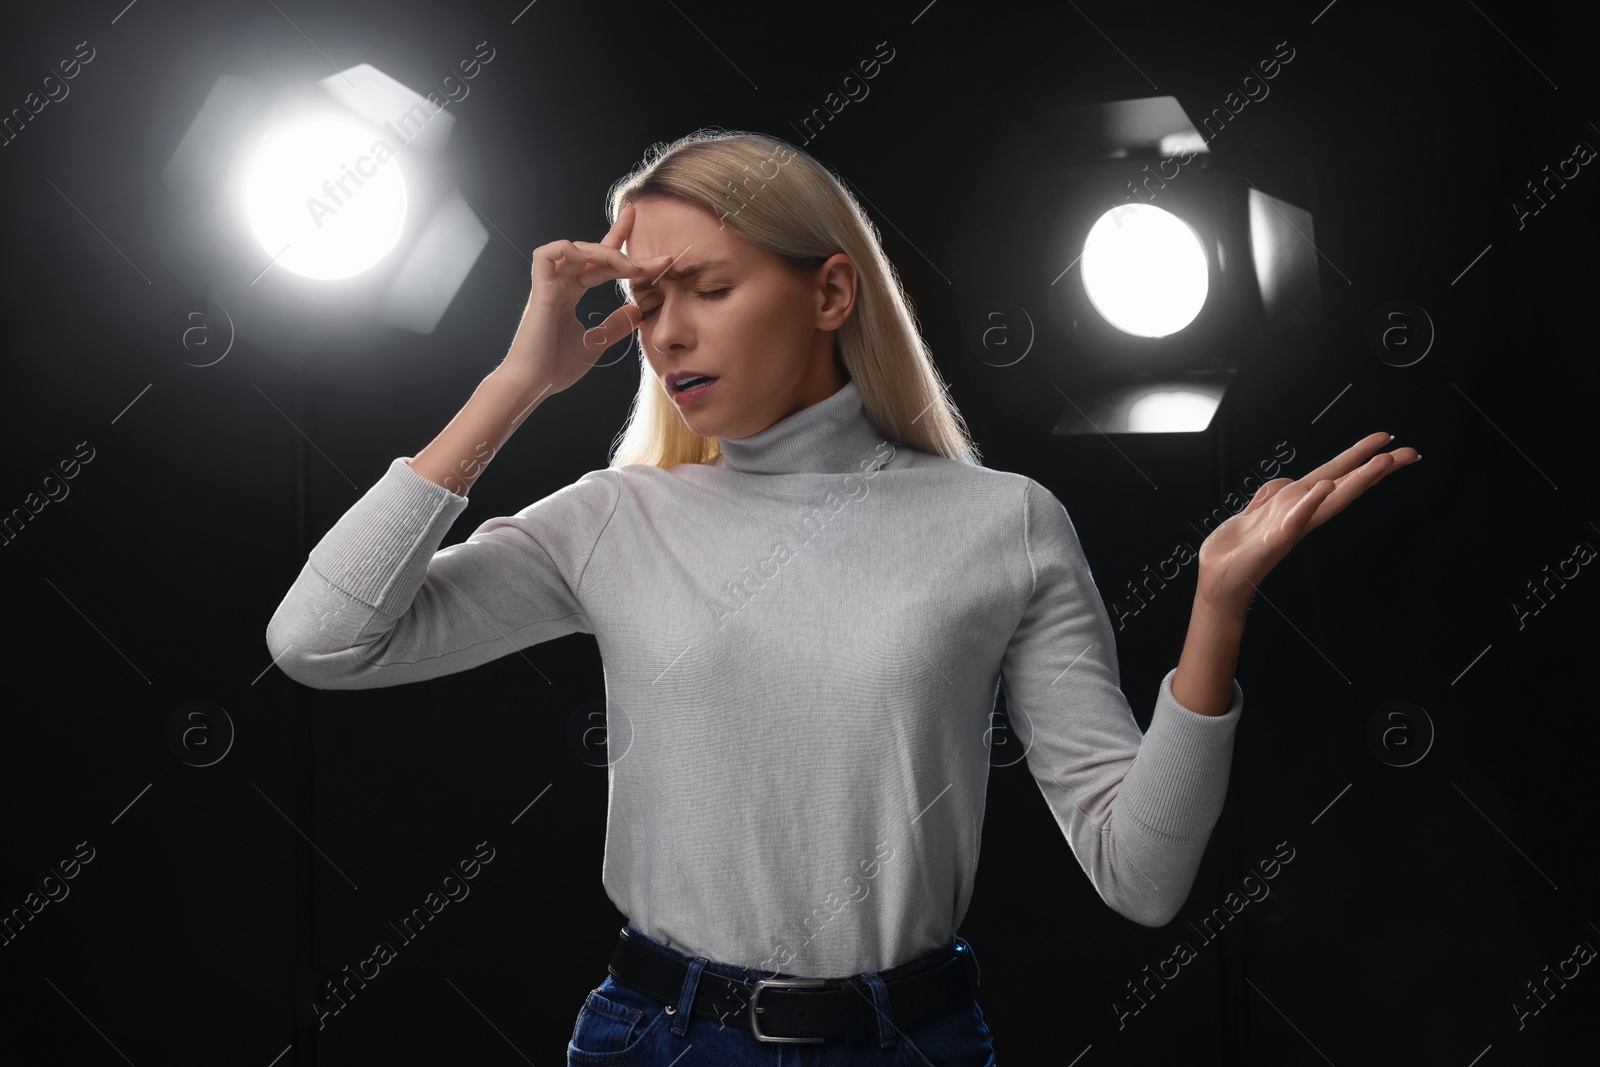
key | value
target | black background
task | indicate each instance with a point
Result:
(1419, 899)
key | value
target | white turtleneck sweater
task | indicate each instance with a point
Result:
(802, 644)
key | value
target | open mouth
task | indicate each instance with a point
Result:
(690, 383)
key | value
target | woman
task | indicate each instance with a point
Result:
(805, 590)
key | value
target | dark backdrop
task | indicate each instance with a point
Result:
(1419, 901)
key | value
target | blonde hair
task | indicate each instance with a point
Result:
(804, 214)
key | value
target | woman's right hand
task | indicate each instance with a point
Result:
(552, 349)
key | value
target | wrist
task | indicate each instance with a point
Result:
(1222, 610)
(517, 385)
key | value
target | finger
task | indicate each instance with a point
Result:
(1267, 491)
(1348, 460)
(606, 264)
(1305, 515)
(565, 259)
(1328, 499)
(560, 258)
(568, 259)
(1403, 456)
(547, 257)
(600, 252)
(618, 326)
(589, 264)
(620, 229)
(1376, 470)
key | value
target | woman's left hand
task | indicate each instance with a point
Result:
(1237, 556)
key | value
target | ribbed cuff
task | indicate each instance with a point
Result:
(373, 548)
(1179, 781)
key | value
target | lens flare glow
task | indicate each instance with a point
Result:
(326, 197)
(1145, 270)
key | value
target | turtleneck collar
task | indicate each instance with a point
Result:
(832, 436)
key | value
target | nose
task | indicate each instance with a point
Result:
(666, 332)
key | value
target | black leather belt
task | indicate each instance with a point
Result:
(803, 1009)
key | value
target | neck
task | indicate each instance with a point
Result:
(831, 436)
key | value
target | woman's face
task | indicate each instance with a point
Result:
(762, 325)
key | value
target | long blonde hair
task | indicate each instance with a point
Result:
(805, 214)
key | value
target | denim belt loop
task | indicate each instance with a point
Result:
(880, 1002)
(964, 947)
(691, 983)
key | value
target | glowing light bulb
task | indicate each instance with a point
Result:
(326, 197)
(1145, 270)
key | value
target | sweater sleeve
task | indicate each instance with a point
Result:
(378, 603)
(1136, 809)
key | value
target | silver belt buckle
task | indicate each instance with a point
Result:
(786, 983)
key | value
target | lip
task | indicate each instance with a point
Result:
(677, 376)
(691, 396)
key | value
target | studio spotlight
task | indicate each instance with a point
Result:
(1145, 263)
(317, 208)
(1185, 266)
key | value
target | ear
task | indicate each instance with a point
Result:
(836, 290)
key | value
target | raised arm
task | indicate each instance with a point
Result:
(377, 603)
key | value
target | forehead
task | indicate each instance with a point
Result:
(667, 227)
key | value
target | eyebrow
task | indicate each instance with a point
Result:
(681, 273)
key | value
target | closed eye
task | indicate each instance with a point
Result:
(704, 294)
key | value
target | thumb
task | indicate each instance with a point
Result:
(617, 327)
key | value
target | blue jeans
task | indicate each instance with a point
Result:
(619, 1025)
